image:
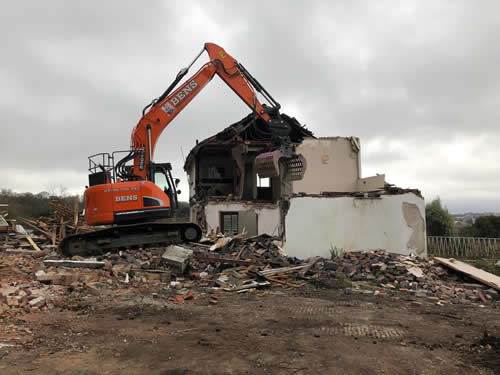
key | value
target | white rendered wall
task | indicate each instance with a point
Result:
(268, 216)
(332, 165)
(395, 223)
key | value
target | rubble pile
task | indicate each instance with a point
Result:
(408, 274)
(258, 250)
(389, 273)
(34, 281)
(41, 280)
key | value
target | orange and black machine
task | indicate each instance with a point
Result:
(134, 192)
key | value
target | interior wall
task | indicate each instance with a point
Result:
(267, 217)
(395, 223)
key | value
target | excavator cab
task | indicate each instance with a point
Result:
(162, 177)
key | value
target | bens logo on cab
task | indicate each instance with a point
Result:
(126, 198)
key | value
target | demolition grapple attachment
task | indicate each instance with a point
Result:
(267, 164)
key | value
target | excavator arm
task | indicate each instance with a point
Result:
(165, 108)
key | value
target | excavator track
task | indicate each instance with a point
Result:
(129, 236)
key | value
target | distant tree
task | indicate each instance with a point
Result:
(485, 226)
(33, 205)
(439, 221)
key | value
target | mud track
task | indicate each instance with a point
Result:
(272, 332)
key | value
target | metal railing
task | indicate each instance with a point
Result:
(463, 247)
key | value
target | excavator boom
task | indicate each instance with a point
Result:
(165, 108)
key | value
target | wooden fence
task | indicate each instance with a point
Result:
(463, 247)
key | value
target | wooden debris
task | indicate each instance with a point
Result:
(221, 242)
(471, 271)
(30, 240)
(275, 271)
(21, 230)
(74, 263)
(284, 282)
(210, 259)
(62, 222)
(481, 295)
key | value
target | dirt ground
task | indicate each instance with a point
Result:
(276, 331)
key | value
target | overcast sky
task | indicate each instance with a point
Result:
(417, 81)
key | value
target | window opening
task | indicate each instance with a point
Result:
(229, 222)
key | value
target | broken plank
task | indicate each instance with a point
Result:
(74, 263)
(222, 260)
(268, 261)
(201, 244)
(280, 270)
(35, 227)
(284, 282)
(253, 284)
(76, 209)
(471, 271)
(53, 237)
(481, 295)
(21, 230)
(35, 246)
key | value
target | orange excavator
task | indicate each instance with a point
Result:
(127, 194)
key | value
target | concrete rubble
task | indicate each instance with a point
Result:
(177, 258)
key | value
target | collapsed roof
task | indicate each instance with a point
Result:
(251, 130)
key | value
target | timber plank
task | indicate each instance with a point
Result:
(471, 271)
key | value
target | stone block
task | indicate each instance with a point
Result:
(37, 302)
(177, 258)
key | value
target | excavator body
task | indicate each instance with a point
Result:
(132, 192)
(136, 210)
(125, 203)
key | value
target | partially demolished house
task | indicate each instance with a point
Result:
(332, 209)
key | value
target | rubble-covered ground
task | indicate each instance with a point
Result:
(241, 307)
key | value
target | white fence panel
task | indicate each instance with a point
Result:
(463, 247)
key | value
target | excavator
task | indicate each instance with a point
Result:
(133, 194)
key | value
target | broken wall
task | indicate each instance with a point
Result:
(254, 218)
(395, 223)
(334, 165)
